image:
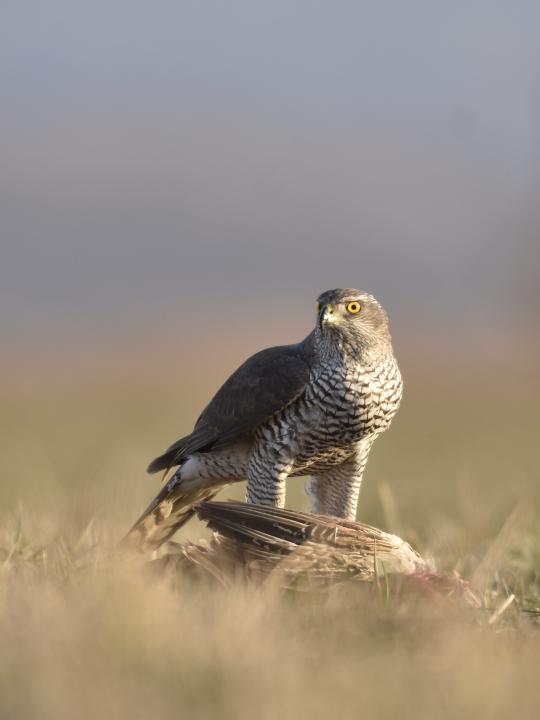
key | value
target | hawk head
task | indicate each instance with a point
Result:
(353, 315)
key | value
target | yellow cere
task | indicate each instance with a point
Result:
(353, 307)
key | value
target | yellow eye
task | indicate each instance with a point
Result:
(353, 307)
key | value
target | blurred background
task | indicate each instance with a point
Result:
(179, 181)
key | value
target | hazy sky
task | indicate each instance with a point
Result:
(168, 157)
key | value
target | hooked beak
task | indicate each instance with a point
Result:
(326, 315)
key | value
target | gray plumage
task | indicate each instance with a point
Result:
(314, 408)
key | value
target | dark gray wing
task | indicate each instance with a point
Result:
(265, 383)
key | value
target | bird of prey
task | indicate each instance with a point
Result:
(298, 550)
(313, 408)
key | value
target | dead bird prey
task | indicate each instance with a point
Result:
(314, 408)
(257, 542)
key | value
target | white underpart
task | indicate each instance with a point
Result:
(227, 465)
(190, 471)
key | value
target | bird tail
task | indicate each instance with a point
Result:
(172, 507)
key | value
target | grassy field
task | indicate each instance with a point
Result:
(83, 638)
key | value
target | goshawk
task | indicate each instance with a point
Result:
(314, 409)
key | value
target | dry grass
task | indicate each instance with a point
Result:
(84, 637)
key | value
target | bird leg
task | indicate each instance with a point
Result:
(336, 491)
(266, 481)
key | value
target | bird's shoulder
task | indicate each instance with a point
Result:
(266, 382)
